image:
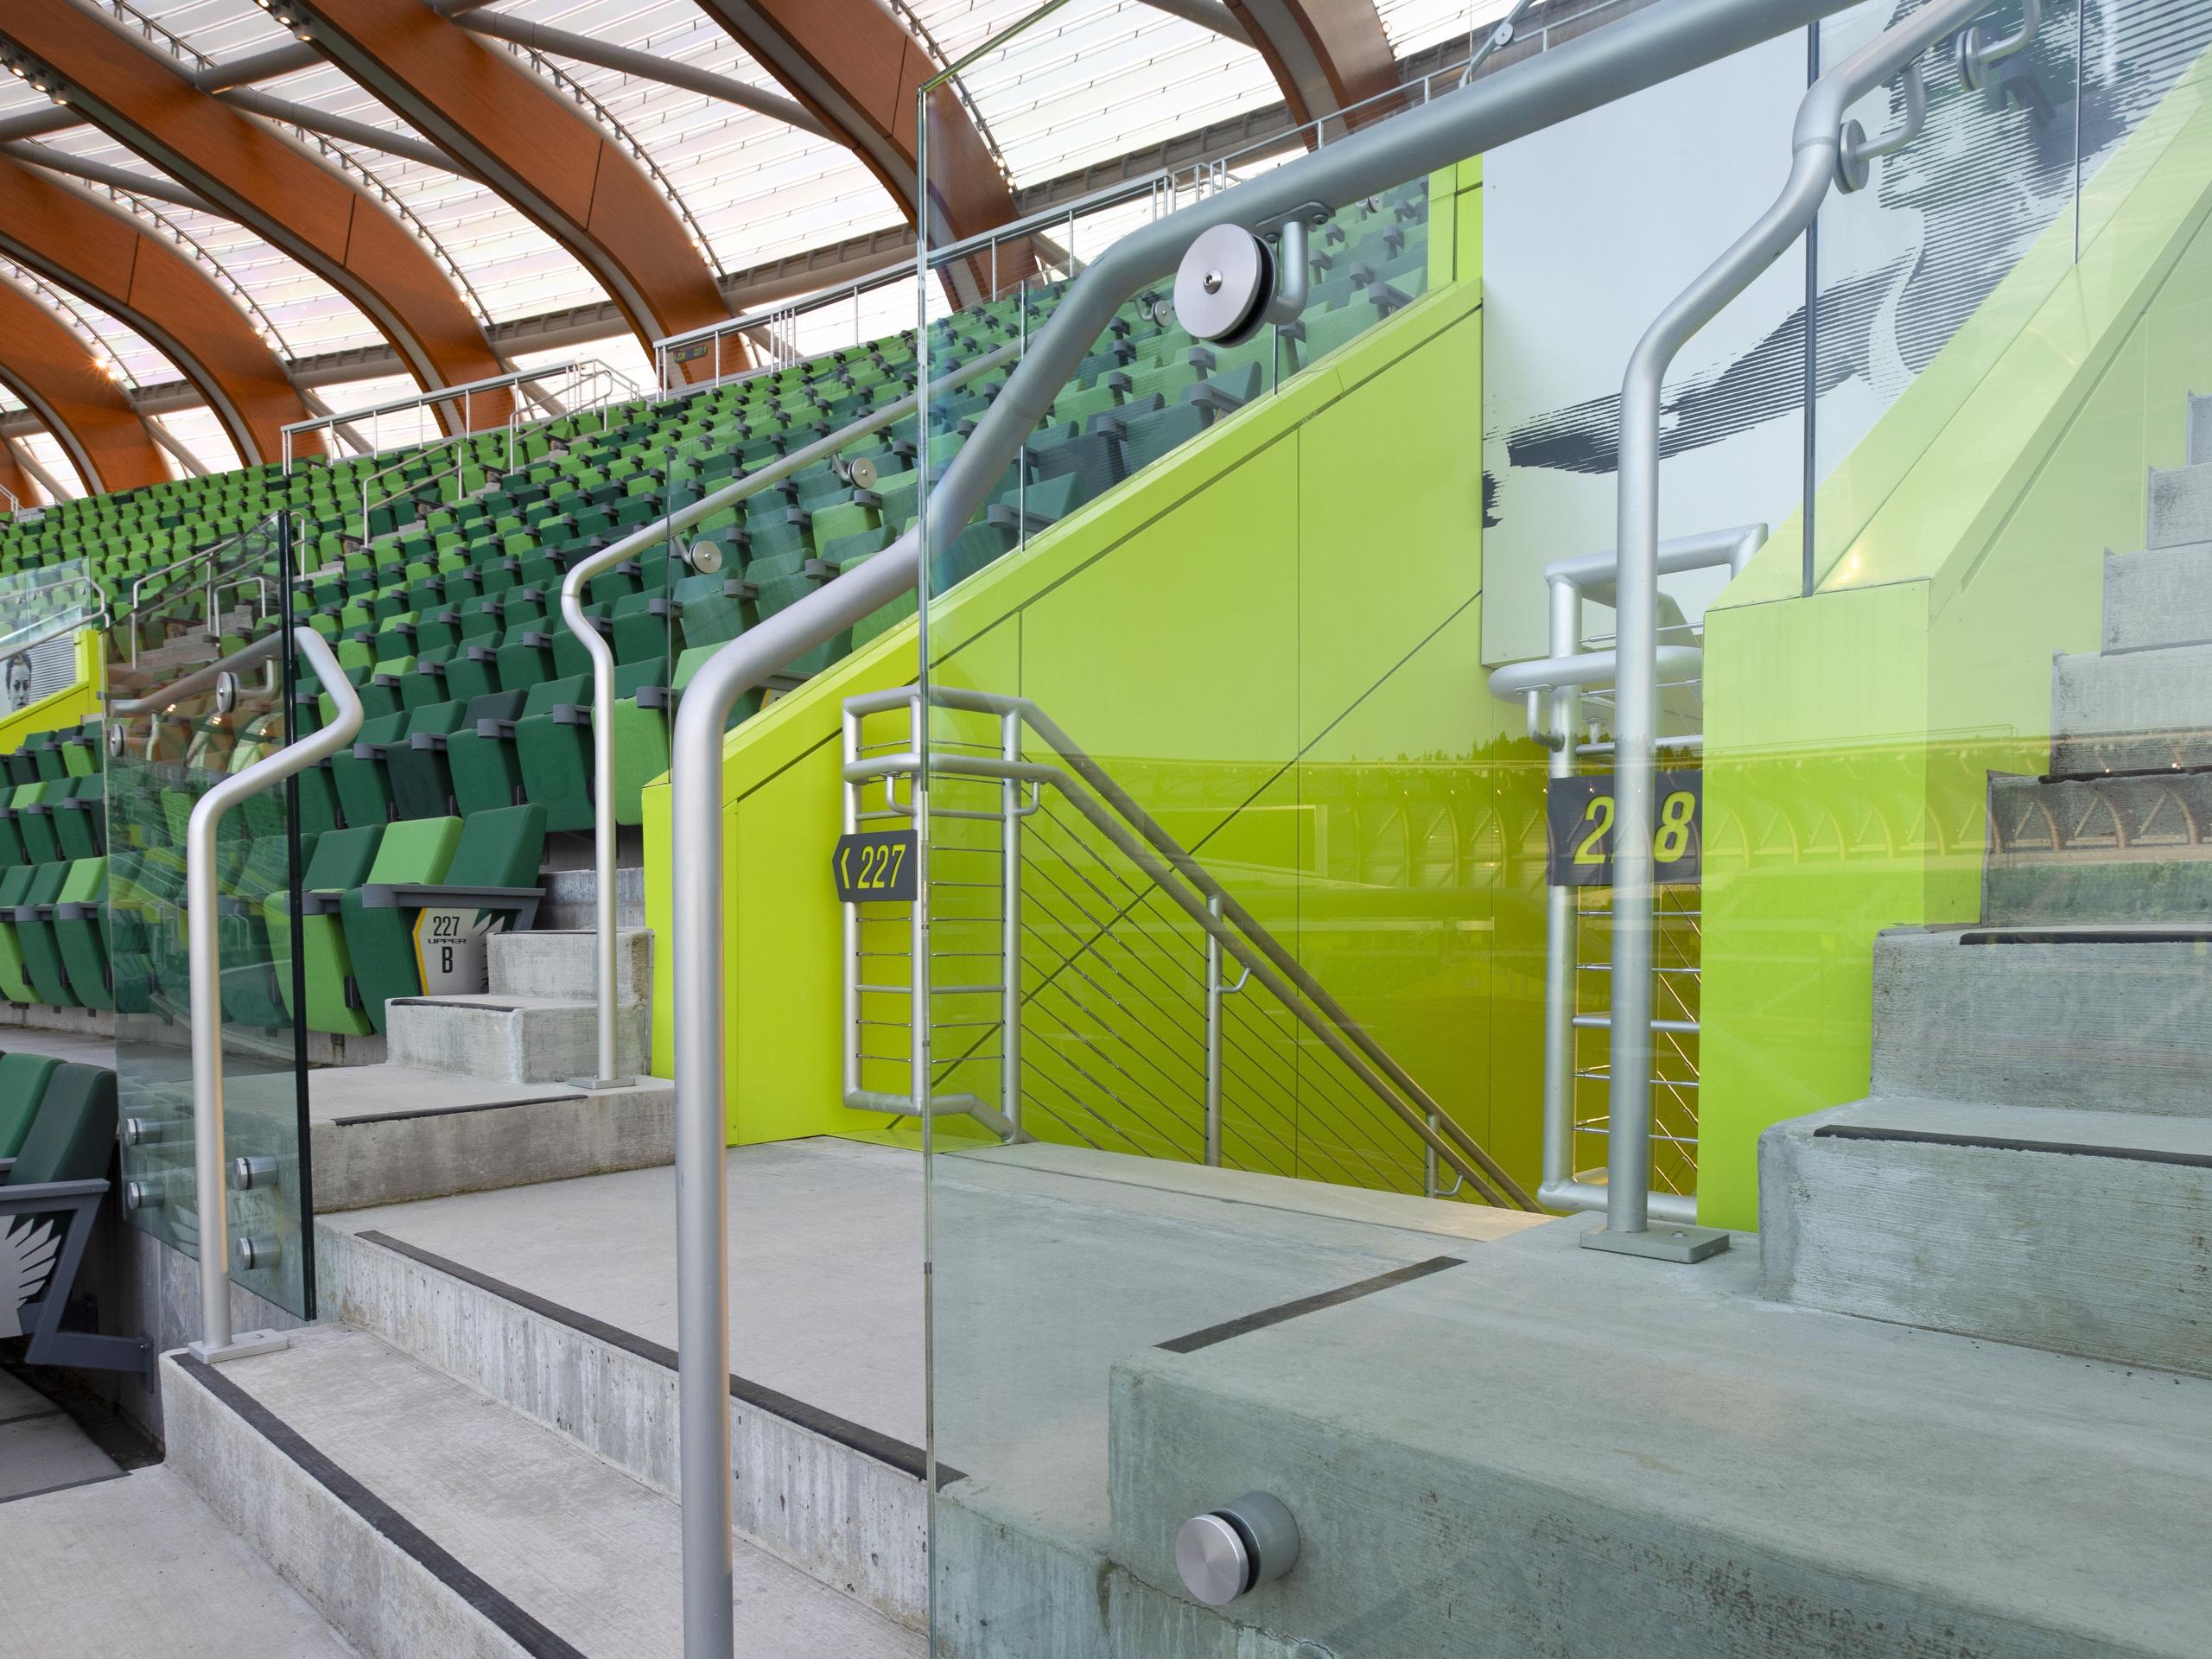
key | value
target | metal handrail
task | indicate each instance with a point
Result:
(1816, 146)
(602, 654)
(1553, 687)
(463, 394)
(1653, 44)
(207, 556)
(218, 1341)
(1140, 837)
(199, 679)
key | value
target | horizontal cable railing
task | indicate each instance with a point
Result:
(1113, 942)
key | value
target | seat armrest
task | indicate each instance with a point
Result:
(518, 901)
(652, 696)
(30, 913)
(736, 587)
(369, 751)
(75, 912)
(433, 741)
(495, 729)
(571, 713)
(44, 1195)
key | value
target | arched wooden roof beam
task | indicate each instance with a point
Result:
(44, 363)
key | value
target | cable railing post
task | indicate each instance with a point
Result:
(1213, 1038)
(218, 1341)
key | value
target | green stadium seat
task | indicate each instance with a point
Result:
(491, 861)
(22, 1085)
(342, 861)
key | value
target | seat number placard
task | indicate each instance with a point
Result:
(875, 866)
(1579, 813)
(450, 951)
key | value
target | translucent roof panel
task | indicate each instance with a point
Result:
(754, 186)
(1415, 25)
(1093, 81)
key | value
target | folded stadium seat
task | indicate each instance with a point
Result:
(554, 747)
(34, 821)
(491, 863)
(482, 757)
(1093, 459)
(712, 609)
(80, 934)
(11, 835)
(14, 892)
(46, 753)
(23, 1079)
(358, 774)
(1315, 336)
(570, 656)
(249, 993)
(342, 861)
(975, 549)
(525, 654)
(80, 818)
(43, 964)
(1147, 437)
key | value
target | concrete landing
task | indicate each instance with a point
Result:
(141, 1566)
(1553, 1451)
(421, 1518)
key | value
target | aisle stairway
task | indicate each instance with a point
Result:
(2035, 1164)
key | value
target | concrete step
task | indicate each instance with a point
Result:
(2082, 1232)
(2127, 848)
(2181, 506)
(421, 1517)
(2135, 711)
(844, 1504)
(561, 962)
(2086, 1017)
(2200, 429)
(2157, 598)
(511, 1039)
(1567, 1454)
(571, 898)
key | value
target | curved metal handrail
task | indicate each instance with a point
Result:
(1816, 144)
(602, 654)
(204, 953)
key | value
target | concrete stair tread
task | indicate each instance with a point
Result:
(590, 1553)
(2157, 597)
(2078, 1231)
(2135, 711)
(499, 1002)
(1668, 1432)
(2093, 1016)
(2181, 504)
(2056, 1130)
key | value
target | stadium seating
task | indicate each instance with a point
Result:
(440, 603)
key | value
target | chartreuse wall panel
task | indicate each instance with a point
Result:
(1270, 638)
(63, 709)
(1850, 735)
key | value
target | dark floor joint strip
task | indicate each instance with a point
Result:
(858, 1437)
(1305, 1304)
(2001, 1143)
(527, 1633)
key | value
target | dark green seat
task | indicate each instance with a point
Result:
(358, 774)
(22, 1085)
(42, 965)
(554, 747)
(80, 934)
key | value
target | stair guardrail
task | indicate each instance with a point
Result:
(1231, 929)
(1817, 163)
(1551, 687)
(218, 1341)
(643, 540)
(1655, 44)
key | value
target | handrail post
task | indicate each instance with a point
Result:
(218, 1341)
(1010, 929)
(1213, 1040)
(1815, 145)
(603, 829)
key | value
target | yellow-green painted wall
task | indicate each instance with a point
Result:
(1272, 637)
(64, 710)
(1849, 735)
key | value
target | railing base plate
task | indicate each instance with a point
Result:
(1663, 1242)
(240, 1346)
(599, 1084)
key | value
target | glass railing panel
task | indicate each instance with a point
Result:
(159, 765)
(1209, 834)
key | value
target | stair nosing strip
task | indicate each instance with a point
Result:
(887, 1449)
(485, 1598)
(2045, 933)
(1284, 1312)
(2010, 1143)
(452, 1111)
